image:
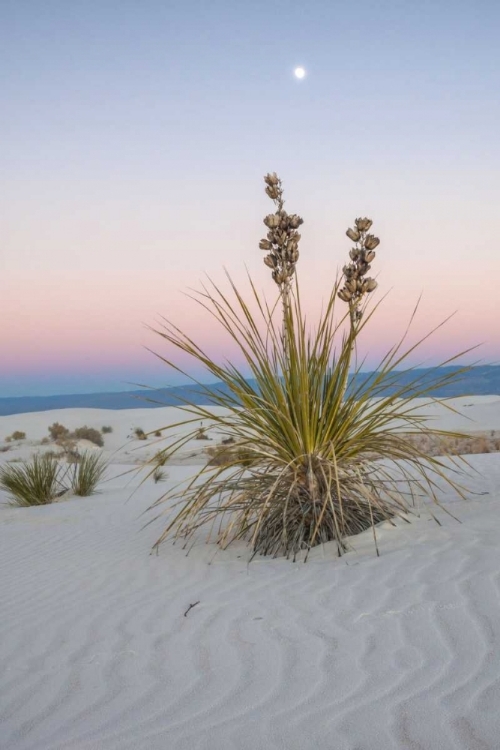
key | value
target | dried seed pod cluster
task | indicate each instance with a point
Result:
(282, 240)
(356, 283)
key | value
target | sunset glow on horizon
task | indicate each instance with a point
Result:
(133, 153)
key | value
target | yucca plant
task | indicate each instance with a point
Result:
(85, 475)
(37, 482)
(327, 454)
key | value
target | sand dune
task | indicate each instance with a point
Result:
(358, 653)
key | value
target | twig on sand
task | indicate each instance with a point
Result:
(190, 608)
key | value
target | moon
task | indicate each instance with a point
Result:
(299, 73)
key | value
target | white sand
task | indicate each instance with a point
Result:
(357, 653)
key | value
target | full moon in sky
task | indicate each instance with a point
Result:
(299, 73)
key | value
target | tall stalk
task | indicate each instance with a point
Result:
(282, 244)
(356, 286)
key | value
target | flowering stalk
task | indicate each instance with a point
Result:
(356, 284)
(361, 255)
(282, 244)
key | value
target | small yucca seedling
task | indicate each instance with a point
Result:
(159, 475)
(85, 475)
(37, 482)
(317, 456)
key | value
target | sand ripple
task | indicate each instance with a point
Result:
(353, 654)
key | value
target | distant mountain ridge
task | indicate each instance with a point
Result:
(480, 380)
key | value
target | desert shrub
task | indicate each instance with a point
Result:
(106, 429)
(58, 431)
(88, 433)
(37, 482)
(327, 455)
(140, 434)
(45, 441)
(86, 473)
(158, 433)
(18, 435)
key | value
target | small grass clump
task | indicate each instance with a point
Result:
(140, 434)
(158, 433)
(37, 482)
(201, 435)
(159, 475)
(106, 429)
(318, 454)
(87, 473)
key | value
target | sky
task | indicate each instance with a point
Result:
(134, 137)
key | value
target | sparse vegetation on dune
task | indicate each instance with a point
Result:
(311, 457)
(44, 479)
(432, 445)
(466, 445)
(106, 429)
(140, 434)
(62, 436)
